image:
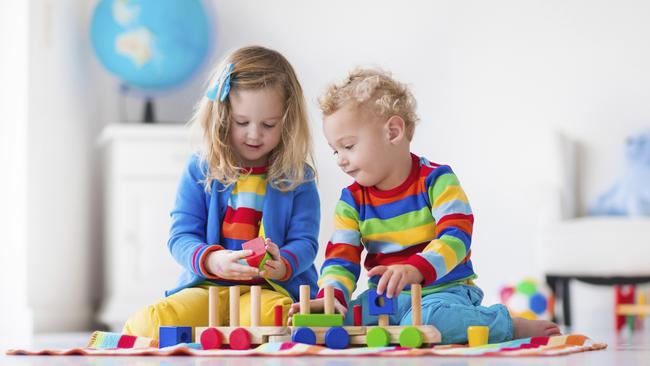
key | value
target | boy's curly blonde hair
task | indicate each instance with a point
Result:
(376, 90)
(291, 163)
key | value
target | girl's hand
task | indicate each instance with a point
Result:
(316, 306)
(274, 268)
(395, 277)
(224, 264)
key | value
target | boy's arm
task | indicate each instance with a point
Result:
(187, 241)
(301, 244)
(454, 220)
(343, 254)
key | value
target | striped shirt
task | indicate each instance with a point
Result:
(426, 221)
(242, 221)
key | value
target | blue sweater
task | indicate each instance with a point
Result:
(290, 219)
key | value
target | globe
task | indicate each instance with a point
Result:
(150, 44)
(528, 299)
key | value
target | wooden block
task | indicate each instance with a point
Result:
(278, 318)
(630, 309)
(171, 336)
(279, 338)
(303, 335)
(320, 332)
(304, 299)
(213, 307)
(317, 320)
(358, 318)
(211, 338)
(380, 304)
(256, 245)
(256, 298)
(411, 337)
(240, 339)
(337, 338)
(234, 306)
(383, 320)
(377, 337)
(329, 299)
(430, 334)
(259, 335)
(416, 304)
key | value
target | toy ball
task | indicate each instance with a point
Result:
(528, 299)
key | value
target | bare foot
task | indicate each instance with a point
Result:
(524, 328)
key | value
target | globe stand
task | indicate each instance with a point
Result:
(149, 112)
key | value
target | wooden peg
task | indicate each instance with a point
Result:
(234, 306)
(255, 305)
(213, 307)
(383, 320)
(304, 299)
(416, 304)
(329, 300)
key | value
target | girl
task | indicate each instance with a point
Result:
(253, 178)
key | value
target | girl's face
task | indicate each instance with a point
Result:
(256, 124)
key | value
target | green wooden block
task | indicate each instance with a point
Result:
(377, 337)
(410, 337)
(317, 320)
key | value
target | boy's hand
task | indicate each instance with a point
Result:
(395, 277)
(224, 263)
(316, 306)
(274, 268)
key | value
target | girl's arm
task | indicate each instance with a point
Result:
(187, 237)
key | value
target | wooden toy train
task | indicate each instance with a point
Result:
(322, 329)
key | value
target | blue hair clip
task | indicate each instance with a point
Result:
(224, 80)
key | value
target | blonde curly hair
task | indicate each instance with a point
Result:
(291, 163)
(376, 89)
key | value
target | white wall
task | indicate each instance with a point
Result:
(64, 251)
(15, 315)
(492, 80)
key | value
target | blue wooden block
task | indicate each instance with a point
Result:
(375, 306)
(171, 336)
(337, 338)
(304, 335)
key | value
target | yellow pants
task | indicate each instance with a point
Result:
(189, 307)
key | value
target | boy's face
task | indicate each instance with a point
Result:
(360, 143)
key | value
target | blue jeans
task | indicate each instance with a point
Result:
(451, 310)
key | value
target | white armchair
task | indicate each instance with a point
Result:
(601, 250)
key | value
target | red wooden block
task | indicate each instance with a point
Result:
(240, 339)
(277, 318)
(256, 245)
(211, 339)
(357, 315)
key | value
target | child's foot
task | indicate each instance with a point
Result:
(524, 328)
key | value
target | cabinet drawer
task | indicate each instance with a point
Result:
(149, 158)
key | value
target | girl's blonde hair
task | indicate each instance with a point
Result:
(291, 162)
(375, 89)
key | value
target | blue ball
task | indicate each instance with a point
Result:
(150, 44)
(538, 303)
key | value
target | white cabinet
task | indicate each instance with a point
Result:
(142, 167)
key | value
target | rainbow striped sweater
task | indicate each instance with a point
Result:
(426, 222)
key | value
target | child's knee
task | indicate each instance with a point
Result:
(144, 323)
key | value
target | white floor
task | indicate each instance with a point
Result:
(623, 350)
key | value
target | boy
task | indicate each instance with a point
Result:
(410, 215)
